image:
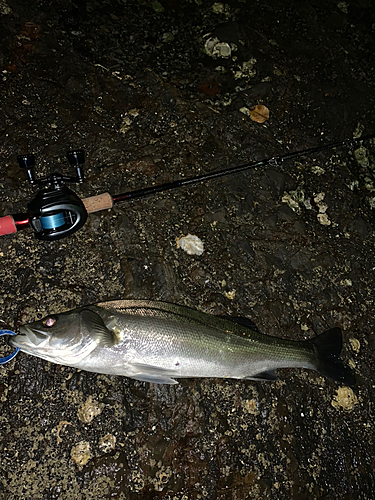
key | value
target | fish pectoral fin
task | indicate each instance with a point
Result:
(267, 375)
(153, 374)
(95, 326)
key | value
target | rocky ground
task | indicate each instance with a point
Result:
(157, 91)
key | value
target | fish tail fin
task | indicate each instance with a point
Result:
(327, 348)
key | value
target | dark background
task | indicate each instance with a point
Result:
(291, 247)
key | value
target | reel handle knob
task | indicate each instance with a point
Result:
(27, 163)
(76, 158)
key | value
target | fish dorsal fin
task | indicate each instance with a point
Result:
(96, 329)
(267, 375)
(243, 322)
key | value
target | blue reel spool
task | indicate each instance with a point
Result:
(53, 221)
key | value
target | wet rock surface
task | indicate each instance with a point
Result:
(292, 246)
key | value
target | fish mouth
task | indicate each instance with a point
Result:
(36, 342)
(29, 338)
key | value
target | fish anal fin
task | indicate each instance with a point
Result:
(153, 374)
(269, 375)
(154, 379)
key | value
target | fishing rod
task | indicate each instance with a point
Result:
(57, 212)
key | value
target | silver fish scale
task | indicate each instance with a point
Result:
(186, 343)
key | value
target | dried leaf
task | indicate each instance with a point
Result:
(209, 88)
(259, 113)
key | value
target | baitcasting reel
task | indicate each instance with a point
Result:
(56, 211)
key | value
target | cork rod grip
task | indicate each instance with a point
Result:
(96, 203)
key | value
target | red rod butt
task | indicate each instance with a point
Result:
(7, 225)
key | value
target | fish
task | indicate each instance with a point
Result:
(160, 342)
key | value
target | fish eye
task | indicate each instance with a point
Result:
(50, 321)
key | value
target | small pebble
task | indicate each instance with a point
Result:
(191, 244)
